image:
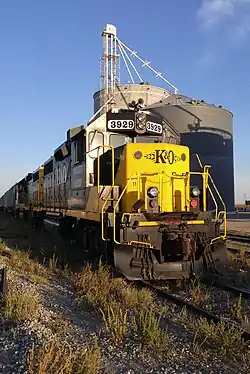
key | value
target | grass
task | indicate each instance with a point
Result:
(21, 261)
(115, 323)
(57, 323)
(225, 339)
(147, 324)
(4, 247)
(239, 312)
(59, 357)
(20, 306)
(99, 290)
(120, 304)
(239, 260)
(198, 292)
(239, 267)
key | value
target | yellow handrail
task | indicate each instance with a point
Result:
(116, 205)
(222, 212)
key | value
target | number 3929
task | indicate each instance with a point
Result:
(121, 124)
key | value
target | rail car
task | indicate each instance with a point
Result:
(121, 187)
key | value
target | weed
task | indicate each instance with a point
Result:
(57, 324)
(237, 308)
(57, 357)
(21, 261)
(53, 262)
(99, 290)
(65, 271)
(37, 279)
(3, 245)
(154, 338)
(227, 338)
(198, 292)
(21, 306)
(138, 298)
(240, 260)
(116, 323)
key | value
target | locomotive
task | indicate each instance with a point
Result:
(122, 188)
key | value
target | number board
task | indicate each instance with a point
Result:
(121, 122)
(126, 124)
(155, 128)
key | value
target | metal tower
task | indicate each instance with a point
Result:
(109, 62)
(110, 69)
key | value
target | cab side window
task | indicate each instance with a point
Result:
(95, 140)
(79, 149)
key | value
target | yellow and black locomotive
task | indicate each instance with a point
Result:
(121, 187)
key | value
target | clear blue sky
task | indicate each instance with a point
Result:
(49, 67)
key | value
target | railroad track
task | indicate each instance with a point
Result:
(239, 238)
(193, 308)
(222, 286)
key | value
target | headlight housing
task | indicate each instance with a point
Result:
(152, 192)
(141, 121)
(195, 191)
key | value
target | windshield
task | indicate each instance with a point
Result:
(116, 140)
(147, 139)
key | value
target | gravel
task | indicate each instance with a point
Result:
(57, 297)
(80, 326)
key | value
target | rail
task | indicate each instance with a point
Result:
(206, 186)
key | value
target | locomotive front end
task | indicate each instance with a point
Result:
(160, 225)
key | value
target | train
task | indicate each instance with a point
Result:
(121, 187)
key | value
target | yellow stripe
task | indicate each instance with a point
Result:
(153, 223)
(146, 224)
(198, 222)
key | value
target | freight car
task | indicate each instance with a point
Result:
(121, 188)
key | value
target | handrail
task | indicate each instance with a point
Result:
(212, 181)
(222, 212)
(116, 205)
(209, 190)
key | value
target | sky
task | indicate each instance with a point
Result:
(50, 67)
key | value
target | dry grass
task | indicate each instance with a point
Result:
(239, 260)
(226, 339)
(100, 291)
(115, 323)
(61, 358)
(147, 325)
(21, 261)
(53, 263)
(3, 245)
(57, 323)
(21, 306)
(239, 312)
(198, 292)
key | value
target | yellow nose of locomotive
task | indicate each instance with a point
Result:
(155, 177)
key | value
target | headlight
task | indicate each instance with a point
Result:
(140, 125)
(152, 192)
(141, 121)
(195, 191)
(141, 117)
